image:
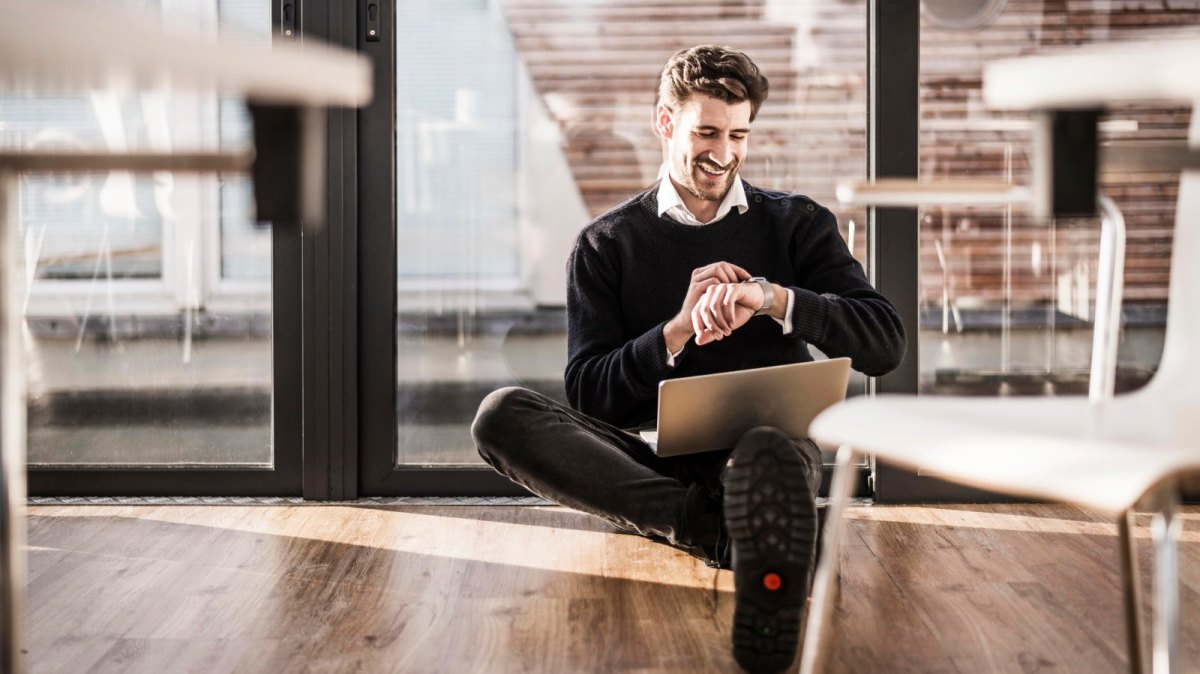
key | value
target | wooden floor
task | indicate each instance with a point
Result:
(530, 589)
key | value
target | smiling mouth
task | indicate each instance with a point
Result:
(712, 169)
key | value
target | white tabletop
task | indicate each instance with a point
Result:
(55, 45)
(1094, 75)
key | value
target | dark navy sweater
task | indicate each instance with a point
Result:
(629, 272)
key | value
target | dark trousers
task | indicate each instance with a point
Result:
(571, 459)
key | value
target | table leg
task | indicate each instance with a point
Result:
(12, 433)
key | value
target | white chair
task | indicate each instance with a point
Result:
(1107, 453)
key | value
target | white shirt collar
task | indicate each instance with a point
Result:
(670, 203)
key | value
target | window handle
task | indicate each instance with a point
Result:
(372, 21)
(287, 19)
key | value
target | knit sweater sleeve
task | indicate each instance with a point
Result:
(836, 309)
(610, 374)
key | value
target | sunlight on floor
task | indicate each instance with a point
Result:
(963, 517)
(543, 547)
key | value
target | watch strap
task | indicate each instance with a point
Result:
(768, 294)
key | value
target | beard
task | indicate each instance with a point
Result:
(709, 187)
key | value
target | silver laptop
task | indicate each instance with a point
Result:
(707, 412)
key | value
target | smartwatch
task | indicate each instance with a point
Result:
(768, 294)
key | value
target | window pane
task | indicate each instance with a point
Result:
(1007, 300)
(518, 121)
(124, 224)
(245, 245)
(456, 153)
(141, 351)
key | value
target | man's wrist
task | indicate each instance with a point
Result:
(675, 337)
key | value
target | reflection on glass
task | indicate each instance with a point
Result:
(518, 122)
(124, 239)
(148, 299)
(1007, 300)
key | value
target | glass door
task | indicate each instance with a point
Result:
(154, 302)
(511, 124)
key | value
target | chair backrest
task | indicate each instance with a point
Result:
(1178, 373)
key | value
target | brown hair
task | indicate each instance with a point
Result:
(715, 71)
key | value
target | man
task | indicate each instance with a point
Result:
(668, 284)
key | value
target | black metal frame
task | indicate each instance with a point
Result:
(894, 42)
(893, 119)
(330, 355)
(377, 262)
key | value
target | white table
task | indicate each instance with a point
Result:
(57, 46)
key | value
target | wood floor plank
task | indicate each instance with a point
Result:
(977, 599)
(875, 621)
(186, 656)
(948, 543)
(68, 653)
(367, 588)
(74, 530)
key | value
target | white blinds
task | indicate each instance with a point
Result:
(456, 143)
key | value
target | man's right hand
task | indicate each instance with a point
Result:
(679, 329)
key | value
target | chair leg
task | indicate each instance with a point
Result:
(1132, 591)
(1164, 530)
(1109, 285)
(825, 582)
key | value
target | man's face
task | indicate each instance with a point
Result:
(706, 144)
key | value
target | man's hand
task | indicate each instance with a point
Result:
(681, 328)
(723, 308)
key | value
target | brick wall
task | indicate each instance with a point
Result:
(595, 65)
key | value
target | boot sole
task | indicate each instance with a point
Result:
(770, 513)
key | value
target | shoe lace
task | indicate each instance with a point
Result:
(721, 550)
